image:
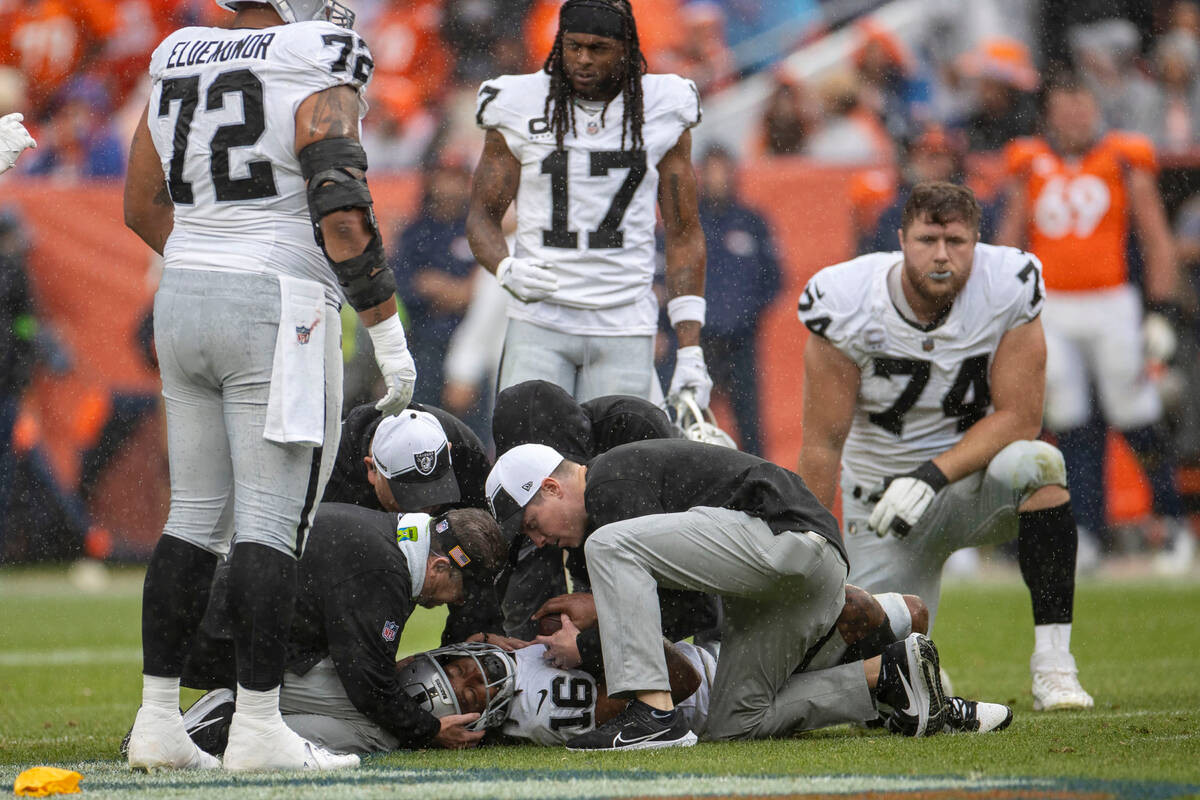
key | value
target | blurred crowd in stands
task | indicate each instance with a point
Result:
(903, 91)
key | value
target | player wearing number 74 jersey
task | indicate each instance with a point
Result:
(584, 147)
(923, 378)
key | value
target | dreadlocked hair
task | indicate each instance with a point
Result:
(560, 100)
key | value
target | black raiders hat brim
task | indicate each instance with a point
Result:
(416, 495)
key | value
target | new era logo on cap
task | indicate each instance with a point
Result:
(515, 479)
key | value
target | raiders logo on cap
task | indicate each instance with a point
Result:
(425, 462)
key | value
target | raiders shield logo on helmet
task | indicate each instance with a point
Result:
(425, 462)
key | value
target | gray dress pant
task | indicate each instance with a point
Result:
(316, 706)
(782, 596)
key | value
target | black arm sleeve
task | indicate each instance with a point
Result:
(357, 612)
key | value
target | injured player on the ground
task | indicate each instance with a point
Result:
(521, 697)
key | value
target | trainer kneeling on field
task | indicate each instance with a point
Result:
(687, 515)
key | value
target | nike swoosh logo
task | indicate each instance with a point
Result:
(202, 725)
(620, 738)
(911, 710)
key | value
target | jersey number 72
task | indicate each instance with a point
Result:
(260, 181)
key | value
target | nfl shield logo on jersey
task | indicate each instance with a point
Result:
(303, 332)
(425, 461)
(390, 629)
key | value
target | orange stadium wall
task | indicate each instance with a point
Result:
(94, 281)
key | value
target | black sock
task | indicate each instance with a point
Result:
(1046, 545)
(174, 597)
(262, 596)
(662, 716)
(872, 644)
(888, 688)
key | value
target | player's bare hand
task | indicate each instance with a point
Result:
(454, 734)
(508, 643)
(561, 648)
(580, 607)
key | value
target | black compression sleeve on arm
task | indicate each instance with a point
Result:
(335, 171)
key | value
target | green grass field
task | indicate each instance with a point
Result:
(69, 686)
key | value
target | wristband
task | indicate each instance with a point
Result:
(686, 308)
(930, 473)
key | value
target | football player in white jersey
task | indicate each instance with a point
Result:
(924, 380)
(247, 175)
(585, 146)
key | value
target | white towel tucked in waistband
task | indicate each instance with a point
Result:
(296, 404)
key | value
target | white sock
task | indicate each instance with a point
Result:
(161, 693)
(1052, 638)
(263, 706)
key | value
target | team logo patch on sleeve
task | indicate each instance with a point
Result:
(460, 558)
(390, 629)
(408, 534)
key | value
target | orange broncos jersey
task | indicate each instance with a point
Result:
(1079, 208)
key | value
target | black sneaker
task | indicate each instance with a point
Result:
(207, 721)
(636, 728)
(911, 689)
(971, 716)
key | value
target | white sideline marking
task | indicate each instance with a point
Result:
(79, 655)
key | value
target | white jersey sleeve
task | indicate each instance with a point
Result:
(222, 115)
(551, 705)
(920, 389)
(836, 302)
(589, 208)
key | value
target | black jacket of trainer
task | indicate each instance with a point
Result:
(354, 598)
(540, 412)
(348, 482)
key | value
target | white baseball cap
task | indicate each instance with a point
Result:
(412, 452)
(515, 479)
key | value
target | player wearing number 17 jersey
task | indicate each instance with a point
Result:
(923, 380)
(247, 175)
(584, 147)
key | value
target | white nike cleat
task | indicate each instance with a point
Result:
(916, 703)
(972, 716)
(159, 741)
(1056, 684)
(255, 745)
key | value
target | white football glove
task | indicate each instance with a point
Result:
(396, 364)
(1158, 337)
(526, 279)
(14, 140)
(905, 499)
(691, 373)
